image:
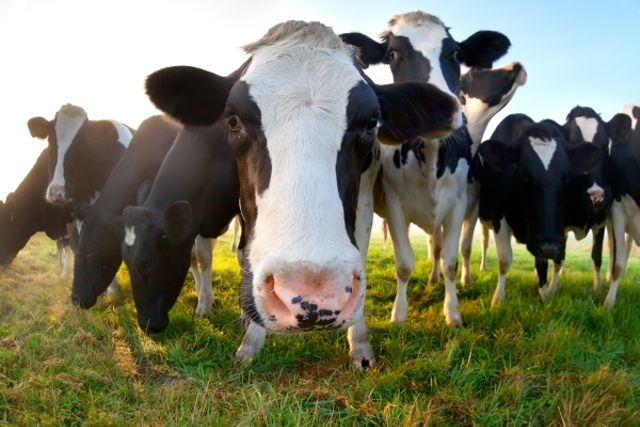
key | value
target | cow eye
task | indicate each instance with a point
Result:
(458, 56)
(393, 55)
(372, 123)
(234, 123)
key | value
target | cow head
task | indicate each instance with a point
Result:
(592, 191)
(75, 149)
(540, 169)
(301, 119)
(154, 248)
(418, 47)
(96, 235)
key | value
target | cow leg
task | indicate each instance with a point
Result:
(469, 227)
(252, 343)
(547, 292)
(236, 228)
(204, 251)
(485, 245)
(360, 349)
(505, 257)
(59, 251)
(114, 287)
(195, 269)
(67, 261)
(452, 228)
(542, 266)
(399, 230)
(596, 255)
(435, 251)
(616, 228)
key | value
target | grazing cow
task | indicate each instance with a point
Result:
(301, 120)
(525, 172)
(195, 192)
(82, 152)
(25, 212)
(424, 182)
(98, 227)
(624, 175)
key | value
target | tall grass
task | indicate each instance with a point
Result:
(567, 362)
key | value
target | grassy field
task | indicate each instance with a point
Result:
(567, 362)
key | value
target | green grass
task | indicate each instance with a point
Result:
(567, 362)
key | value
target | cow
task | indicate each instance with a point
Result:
(195, 192)
(301, 119)
(624, 176)
(82, 152)
(25, 212)
(98, 231)
(526, 171)
(424, 182)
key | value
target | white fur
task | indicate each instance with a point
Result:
(130, 235)
(588, 127)
(124, 134)
(66, 128)
(201, 271)
(79, 224)
(302, 94)
(545, 149)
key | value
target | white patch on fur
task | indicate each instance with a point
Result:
(79, 225)
(588, 127)
(426, 39)
(124, 134)
(66, 128)
(130, 235)
(302, 93)
(545, 149)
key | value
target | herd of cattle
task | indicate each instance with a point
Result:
(303, 147)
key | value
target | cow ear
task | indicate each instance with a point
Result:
(410, 110)
(39, 127)
(178, 222)
(191, 95)
(584, 157)
(368, 50)
(481, 49)
(495, 156)
(143, 191)
(619, 128)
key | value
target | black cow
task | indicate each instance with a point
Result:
(301, 119)
(98, 231)
(26, 212)
(82, 152)
(624, 177)
(195, 192)
(526, 171)
(424, 182)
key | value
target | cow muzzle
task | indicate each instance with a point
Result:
(309, 299)
(56, 195)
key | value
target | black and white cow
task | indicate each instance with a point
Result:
(424, 182)
(526, 172)
(624, 176)
(195, 192)
(98, 231)
(82, 152)
(301, 121)
(25, 212)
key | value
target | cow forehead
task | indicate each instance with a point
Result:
(426, 38)
(588, 127)
(544, 148)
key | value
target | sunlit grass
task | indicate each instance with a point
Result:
(567, 362)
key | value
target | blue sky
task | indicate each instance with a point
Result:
(96, 54)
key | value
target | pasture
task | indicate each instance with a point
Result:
(567, 362)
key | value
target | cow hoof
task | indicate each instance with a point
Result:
(363, 359)
(454, 322)
(495, 302)
(608, 304)
(398, 318)
(244, 357)
(203, 310)
(466, 281)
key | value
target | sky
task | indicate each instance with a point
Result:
(96, 54)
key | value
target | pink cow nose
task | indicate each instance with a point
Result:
(310, 300)
(596, 194)
(56, 195)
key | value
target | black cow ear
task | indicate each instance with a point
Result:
(143, 191)
(481, 49)
(39, 127)
(495, 155)
(368, 50)
(410, 110)
(191, 95)
(584, 157)
(178, 222)
(619, 128)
